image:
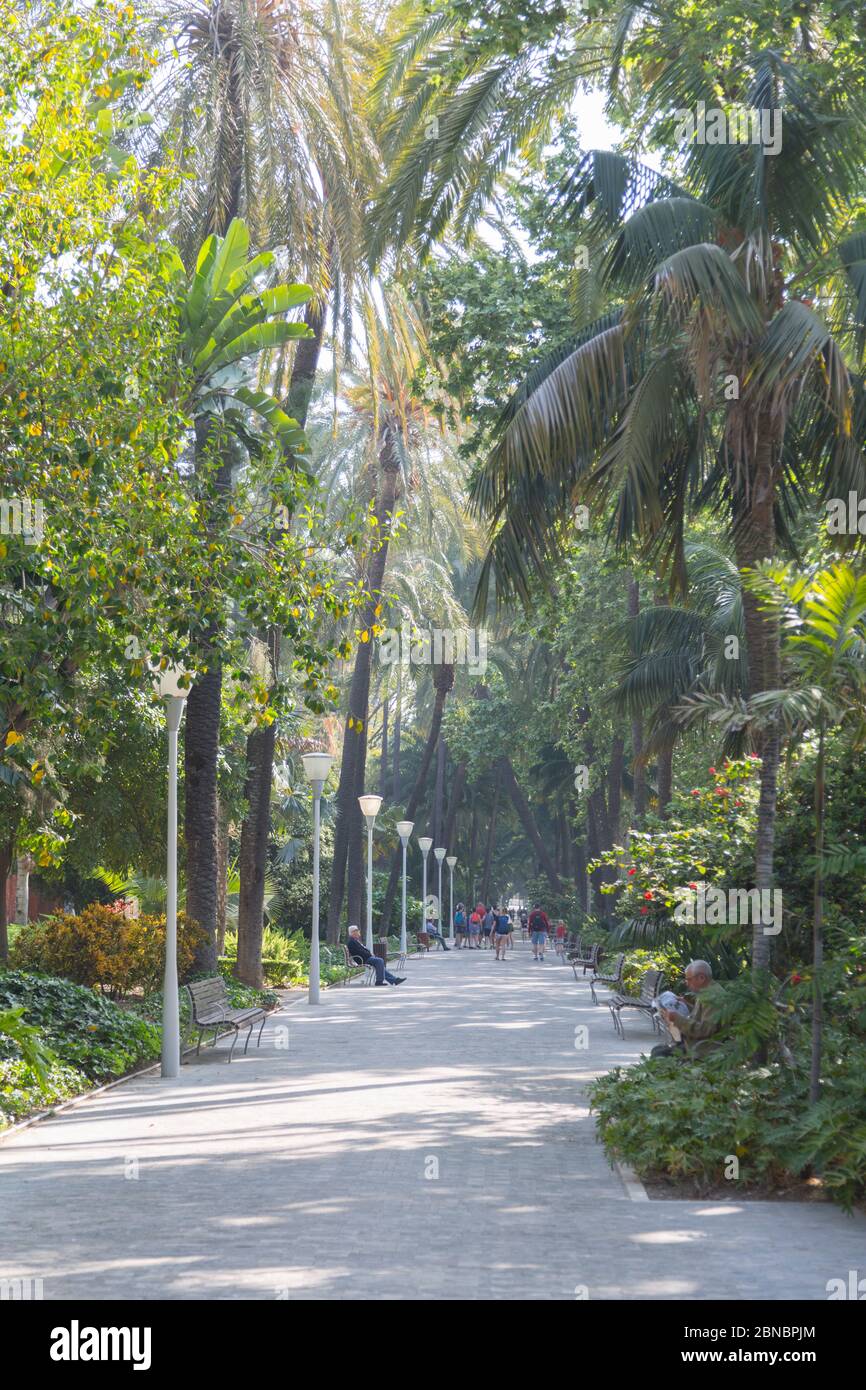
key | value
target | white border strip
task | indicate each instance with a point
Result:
(634, 1188)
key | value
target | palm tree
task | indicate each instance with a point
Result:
(823, 620)
(225, 322)
(672, 652)
(712, 379)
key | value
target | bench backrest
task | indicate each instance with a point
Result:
(616, 973)
(649, 985)
(207, 996)
(351, 963)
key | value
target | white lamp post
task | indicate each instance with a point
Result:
(174, 693)
(425, 844)
(370, 809)
(451, 860)
(316, 769)
(404, 830)
(440, 855)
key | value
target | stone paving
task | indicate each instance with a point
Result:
(426, 1141)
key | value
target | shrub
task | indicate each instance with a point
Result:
(82, 1028)
(637, 963)
(676, 1120)
(98, 948)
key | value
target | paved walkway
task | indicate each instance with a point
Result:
(429, 1141)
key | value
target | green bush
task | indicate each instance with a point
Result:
(83, 1029)
(637, 963)
(675, 1120)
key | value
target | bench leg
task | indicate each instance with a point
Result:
(200, 1036)
(592, 991)
(234, 1040)
(261, 1030)
(249, 1035)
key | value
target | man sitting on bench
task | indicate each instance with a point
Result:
(358, 951)
(696, 1031)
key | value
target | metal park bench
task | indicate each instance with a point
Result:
(211, 1008)
(588, 959)
(356, 967)
(612, 982)
(650, 987)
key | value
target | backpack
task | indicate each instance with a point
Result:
(538, 920)
(459, 920)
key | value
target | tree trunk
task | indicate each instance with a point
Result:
(665, 779)
(444, 680)
(755, 540)
(222, 873)
(253, 858)
(398, 720)
(7, 852)
(527, 820)
(491, 841)
(818, 926)
(261, 743)
(639, 792)
(383, 760)
(439, 794)
(454, 806)
(354, 748)
(356, 877)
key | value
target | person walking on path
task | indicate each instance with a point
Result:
(358, 951)
(488, 924)
(474, 929)
(459, 927)
(501, 934)
(539, 926)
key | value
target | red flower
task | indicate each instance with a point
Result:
(795, 979)
(694, 887)
(738, 803)
(648, 895)
(631, 873)
(754, 757)
(712, 769)
(695, 791)
(644, 911)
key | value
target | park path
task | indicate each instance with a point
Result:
(426, 1141)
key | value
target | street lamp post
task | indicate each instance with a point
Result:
(440, 855)
(316, 769)
(174, 694)
(404, 830)
(425, 844)
(370, 809)
(451, 860)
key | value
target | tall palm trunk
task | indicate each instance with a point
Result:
(356, 876)
(443, 681)
(439, 793)
(818, 923)
(755, 540)
(201, 748)
(354, 746)
(453, 807)
(639, 788)
(398, 722)
(7, 852)
(222, 873)
(491, 838)
(383, 758)
(261, 743)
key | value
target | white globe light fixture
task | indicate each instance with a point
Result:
(317, 766)
(370, 809)
(404, 830)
